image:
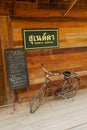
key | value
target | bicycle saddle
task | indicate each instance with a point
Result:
(67, 73)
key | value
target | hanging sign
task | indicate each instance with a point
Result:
(40, 38)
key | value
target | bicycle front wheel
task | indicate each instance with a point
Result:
(37, 100)
(70, 87)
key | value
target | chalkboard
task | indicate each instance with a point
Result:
(17, 69)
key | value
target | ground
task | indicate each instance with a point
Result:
(54, 114)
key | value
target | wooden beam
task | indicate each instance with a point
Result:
(70, 7)
(13, 7)
(49, 19)
(49, 13)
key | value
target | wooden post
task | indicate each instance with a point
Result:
(13, 99)
(6, 42)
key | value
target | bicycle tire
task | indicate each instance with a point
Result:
(70, 87)
(38, 98)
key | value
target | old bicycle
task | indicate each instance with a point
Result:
(68, 87)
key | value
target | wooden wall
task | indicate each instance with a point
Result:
(71, 54)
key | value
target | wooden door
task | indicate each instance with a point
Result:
(2, 87)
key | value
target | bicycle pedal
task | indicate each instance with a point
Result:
(61, 95)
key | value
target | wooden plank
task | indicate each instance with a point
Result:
(5, 43)
(49, 13)
(49, 19)
(2, 85)
(55, 51)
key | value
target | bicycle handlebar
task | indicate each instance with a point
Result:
(56, 72)
(51, 73)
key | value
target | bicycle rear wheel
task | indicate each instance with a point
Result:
(37, 100)
(70, 87)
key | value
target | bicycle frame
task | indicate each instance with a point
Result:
(49, 83)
